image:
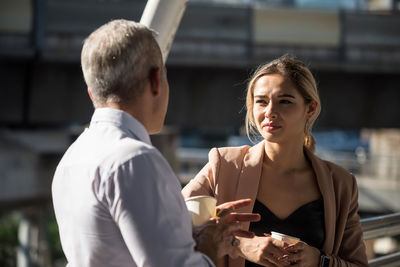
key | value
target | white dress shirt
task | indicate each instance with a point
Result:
(117, 201)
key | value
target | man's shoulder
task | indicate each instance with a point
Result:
(128, 149)
(105, 152)
(130, 145)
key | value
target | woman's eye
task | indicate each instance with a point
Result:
(284, 101)
(260, 101)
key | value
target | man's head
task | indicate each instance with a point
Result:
(120, 60)
(116, 59)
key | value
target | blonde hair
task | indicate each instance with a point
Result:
(116, 60)
(301, 77)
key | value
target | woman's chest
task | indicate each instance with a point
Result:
(283, 195)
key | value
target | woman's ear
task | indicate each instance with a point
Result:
(311, 108)
(155, 81)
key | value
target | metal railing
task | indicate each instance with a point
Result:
(382, 226)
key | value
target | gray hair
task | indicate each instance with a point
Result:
(116, 60)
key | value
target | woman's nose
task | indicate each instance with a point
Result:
(270, 111)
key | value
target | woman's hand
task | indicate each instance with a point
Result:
(263, 250)
(302, 255)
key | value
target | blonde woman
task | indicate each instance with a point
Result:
(295, 192)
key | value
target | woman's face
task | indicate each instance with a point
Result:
(279, 110)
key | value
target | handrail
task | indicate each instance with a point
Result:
(380, 226)
(387, 260)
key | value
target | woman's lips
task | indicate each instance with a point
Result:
(271, 127)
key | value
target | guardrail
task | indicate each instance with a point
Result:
(381, 226)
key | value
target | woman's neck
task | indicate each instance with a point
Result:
(285, 157)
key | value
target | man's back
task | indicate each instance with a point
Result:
(116, 199)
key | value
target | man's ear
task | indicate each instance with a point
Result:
(311, 108)
(90, 94)
(155, 81)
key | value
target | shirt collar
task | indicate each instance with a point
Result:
(122, 120)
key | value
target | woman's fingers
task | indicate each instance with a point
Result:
(271, 260)
(276, 252)
(279, 245)
(302, 254)
(293, 259)
(273, 252)
(296, 247)
(295, 252)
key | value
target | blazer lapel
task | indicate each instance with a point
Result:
(325, 183)
(250, 174)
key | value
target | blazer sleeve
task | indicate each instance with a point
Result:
(204, 183)
(352, 251)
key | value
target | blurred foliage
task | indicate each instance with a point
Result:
(53, 237)
(9, 238)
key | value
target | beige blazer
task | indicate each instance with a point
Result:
(233, 173)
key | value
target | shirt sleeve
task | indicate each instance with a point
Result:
(144, 199)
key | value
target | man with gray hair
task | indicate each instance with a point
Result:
(117, 201)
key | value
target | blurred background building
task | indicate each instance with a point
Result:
(352, 47)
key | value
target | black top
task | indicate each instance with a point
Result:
(306, 223)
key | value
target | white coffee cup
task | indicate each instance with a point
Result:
(202, 208)
(285, 238)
